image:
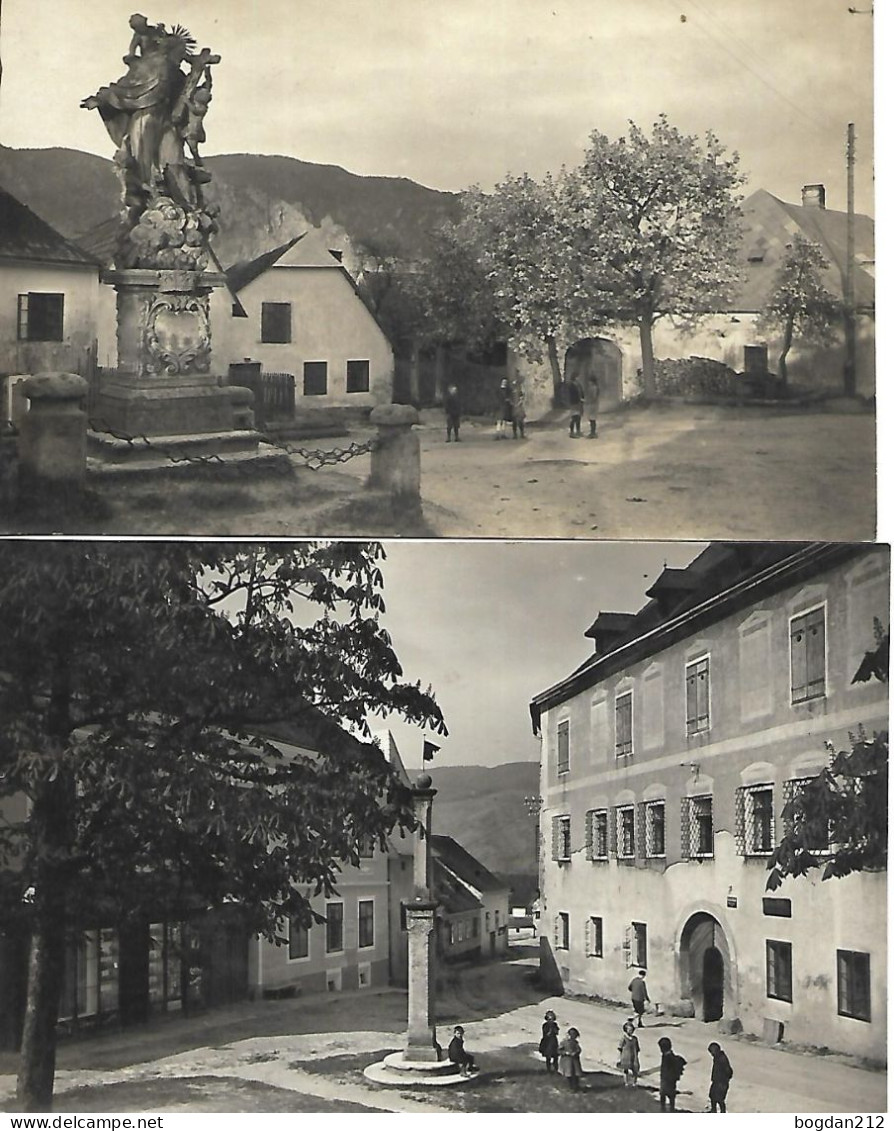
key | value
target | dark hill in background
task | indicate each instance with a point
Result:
(483, 808)
(264, 201)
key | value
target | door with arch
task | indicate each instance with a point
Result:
(602, 359)
(706, 971)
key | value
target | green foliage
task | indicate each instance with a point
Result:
(838, 820)
(139, 688)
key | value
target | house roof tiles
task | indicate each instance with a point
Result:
(24, 235)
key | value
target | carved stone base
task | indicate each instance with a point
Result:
(153, 406)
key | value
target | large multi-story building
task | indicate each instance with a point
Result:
(667, 759)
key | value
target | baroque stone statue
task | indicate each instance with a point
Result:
(155, 116)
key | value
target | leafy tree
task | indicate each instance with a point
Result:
(134, 682)
(799, 305)
(653, 228)
(520, 239)
(838, 820)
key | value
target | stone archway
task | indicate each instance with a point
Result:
(705, 966)
(601, 358)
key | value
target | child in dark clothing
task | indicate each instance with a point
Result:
(549, 1042)
(721, 1074)
(456, 1052)
(671, 1070)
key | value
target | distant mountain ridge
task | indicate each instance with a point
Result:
(483, 808)
(264, 200)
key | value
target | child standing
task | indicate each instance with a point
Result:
(671, 1070)
(549, 1042)
(628, 1054)
(721, 1074)
(569, 1059)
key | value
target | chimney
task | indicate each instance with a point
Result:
(813, 196)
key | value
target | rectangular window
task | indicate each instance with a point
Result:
(853, 985)
(759, 823)
(357, 380)
(808, 652)
(40, 317)
(563, 747)
(815, 831)
(701, 827)
(365, 847)
(276, 322)
(624, 725)
(476, 928)
(655, 825)
(316, 378)
(366, 933)
(626, 831)
(594, 937)
(698, 696)
(779, 970)
(638, 949)
(299, 940)
(597, 821)
(562, 930)
(335, 927)
(561, 838)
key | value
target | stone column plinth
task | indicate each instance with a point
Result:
(396, 466)
(422, 1043)
(53, 434)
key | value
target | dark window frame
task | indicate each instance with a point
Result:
(357, 380)
(653, 851)
(779, 969)
(298, 932)
(595, 942)
(364, 921)
(40, 316)
(315, 379)
(334, 922)
(276, 323)
(848, 974)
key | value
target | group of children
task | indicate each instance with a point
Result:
(563, 1056)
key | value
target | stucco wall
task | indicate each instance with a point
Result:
(753, 738)
(80, 286)
(329, 323)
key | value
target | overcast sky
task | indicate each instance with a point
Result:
(461, 91)
(489, 624)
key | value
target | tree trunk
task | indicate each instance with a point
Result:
(786, 346)
(46, 973)
(414, 374)
(648, 356)
(441, 358)
(554, 367)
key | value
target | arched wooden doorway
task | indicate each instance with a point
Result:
(601, 358)
(706, 970)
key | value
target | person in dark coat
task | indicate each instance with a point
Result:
(549, 1042)
(456, 1053)
(453, 409)
(569, 1059)
(721, 1074)
(639, 995)
(669, 1074)
(576, 405)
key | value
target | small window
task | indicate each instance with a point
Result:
(624, 725)
(276, 322)
(561, 840)
(700, 827)
(299, 940)
(562, 930)
(639, 945)
(626, 831)
(808, 655)
(655, 829)
(335, 927)
(698, 689)
(759, 822)
(487, 920)
(594, 937)
(854, 985)
(316, 379)
(779, 970)
(357, 380)
(476, 929)
(597, 821)
(366, 935)
(563, 747)
(365, 847)
(40, 317)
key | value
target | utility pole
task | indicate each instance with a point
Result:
(850, 313)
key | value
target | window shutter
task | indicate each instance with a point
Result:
(639, 830)
(557, 838)
(588, 833)
(613, 832)
(789, 790)
(588, 925)
(22, 331)
(556, 932)
(740, 820)
(685, 833)
(628, 931)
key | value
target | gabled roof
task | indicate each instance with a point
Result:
(464, 865)
(307, 250)
(241, 274)
(769, 226)
(23, 235)
(452, 894)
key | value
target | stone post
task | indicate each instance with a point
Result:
(422, 1042)
(53, 435)
(395, 466)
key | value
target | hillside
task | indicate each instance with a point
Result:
(264, 201)
(483, 808)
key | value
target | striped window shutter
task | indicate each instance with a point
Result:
(588, 922)
(639, 830)
(628, 931)
(685, 827)
(557, 931)
(588, 833)
(557, 838)
(740, 820)
(613, 832)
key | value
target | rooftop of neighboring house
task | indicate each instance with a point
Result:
(454, 896)
(305, 250)
(25, 236)
(724, 578)
(464, 865)
(770, 224)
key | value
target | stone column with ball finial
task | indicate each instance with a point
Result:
(422, 1043)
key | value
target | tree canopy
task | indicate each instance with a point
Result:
(136, 682)
(838, 820)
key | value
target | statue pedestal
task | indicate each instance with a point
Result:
(163, 388)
